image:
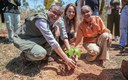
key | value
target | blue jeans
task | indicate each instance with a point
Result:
(124, 27)
(12, 23)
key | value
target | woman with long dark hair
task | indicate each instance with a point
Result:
(67, 25)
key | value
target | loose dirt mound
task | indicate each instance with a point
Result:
(13, 68)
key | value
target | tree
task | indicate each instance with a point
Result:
(25, 5)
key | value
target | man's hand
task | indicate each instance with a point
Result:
(75, 57)
(71, 63)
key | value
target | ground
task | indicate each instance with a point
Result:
(12, 67)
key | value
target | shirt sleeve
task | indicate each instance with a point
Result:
(103, 28)
(46, 32)
(62, 29)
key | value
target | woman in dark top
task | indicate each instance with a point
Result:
(1, 11)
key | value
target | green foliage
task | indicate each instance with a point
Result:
(62, 3)
(25, 3)
(41, 10)
(73, 51)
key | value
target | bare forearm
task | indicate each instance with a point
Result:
(78, 40)
(61, 53)
(67, 43)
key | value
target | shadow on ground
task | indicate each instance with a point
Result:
(17, 66)
(4, 40)
(104, 75)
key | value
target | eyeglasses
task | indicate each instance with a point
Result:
(56, 13)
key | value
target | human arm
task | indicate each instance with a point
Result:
(57, 34)
(76, 28)
(66, 42)
(68, 61)
(102, 6)
(60, 25)
(79, 36)
(42, 25)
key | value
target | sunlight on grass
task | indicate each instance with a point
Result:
(2, 25)
(7, 52)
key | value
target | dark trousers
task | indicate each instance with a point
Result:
(2, 17)
(113, 20)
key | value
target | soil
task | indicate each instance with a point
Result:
(12, 66)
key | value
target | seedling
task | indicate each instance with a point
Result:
(73, 51)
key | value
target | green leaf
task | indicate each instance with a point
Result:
(77, 52)
(70, 51)
(73, 51)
